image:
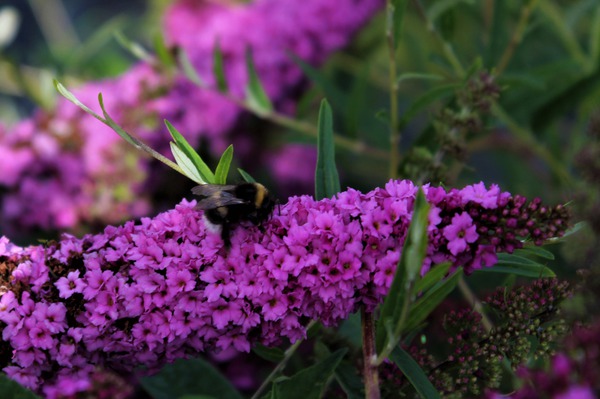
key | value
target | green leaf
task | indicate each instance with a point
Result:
(350, 381)
(205, 173)
(189, 70)
(350, 330)
(310, 383)
(186, 164)
(396, 304)
(563, 101)
(595, 37)
(520, 266)
(356, 103)
(96, 42)
(107, 120)
(499, 35)
(432, 298)
(246, 176)
(134, 48)
(162, 52)
(222, 170)
(532, 271)
(256, 97)
(535, 251)
(218, 70)
(327, 181)
(71, 97)
(414, 374)
(426, 99)
(189, 377)
(336, 96)
(527, 80)
(433, 276)
(418, 76)
(394, 17)
(274, 355)
(573, 230)
(137, 143)
(440, 7)
(10, 389)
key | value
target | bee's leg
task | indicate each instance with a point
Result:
(225, 235)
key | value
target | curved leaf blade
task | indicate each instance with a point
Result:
(222, 170)
(327, 180)
(414, 374)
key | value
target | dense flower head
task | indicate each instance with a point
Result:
(525, 325)
(168, 287)
(59, 167)
(574, 372)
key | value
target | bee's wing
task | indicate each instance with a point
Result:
(223, 199)
(216, 195)
(207, 190)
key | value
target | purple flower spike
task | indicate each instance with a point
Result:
(58, 167)
(167, 288)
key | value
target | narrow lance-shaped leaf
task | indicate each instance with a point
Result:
(594, 45)
(162, 52)
(411, 370)
(327, 181)
(189, 377)
(256, 97)
(345, 375)
(430, 300)
(439, 8)
(332, 92)
(188, 68)
(426, 99)
(133, 47)
(218, 70)
(395, 16)
(11, 389)
(418, 76)
(310, 382)
(222, 170)
(137, 143)
(71, 97)
(113, 125)
(274, 354)
(519, 265)
(395, 307)
(246, 176)
(433, 276)
(186, 164)
(203, 169)
(181, 156)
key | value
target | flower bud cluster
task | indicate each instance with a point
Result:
(168, 288)
(572, 373)
(59, 167)
(522, 316)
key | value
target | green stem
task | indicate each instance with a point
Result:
(527, 137)
(370, 373)
(475, 302)
(446, 47)
(516, 37)
(566, 34)
(280, 366)
(395, 134)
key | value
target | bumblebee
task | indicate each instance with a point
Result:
(225, 206)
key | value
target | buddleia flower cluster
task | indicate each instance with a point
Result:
(59, 167)
(168, 288)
